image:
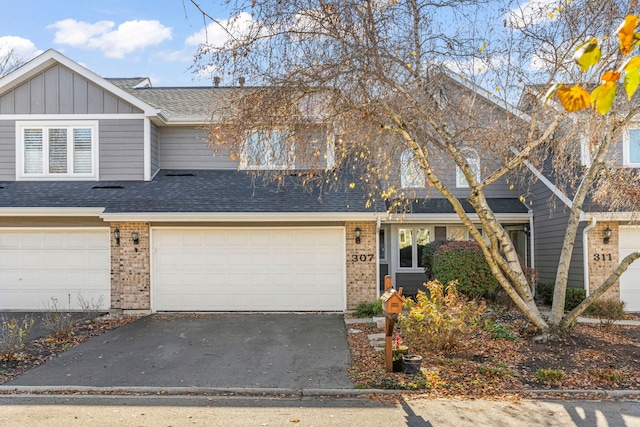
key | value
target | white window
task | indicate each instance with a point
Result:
(268, 150)
(473, 160)
(631, 148)
(411, 241)
(411, 175)
(56, 150)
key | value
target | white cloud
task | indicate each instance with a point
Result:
(21, 49)
(128, 37)
(533, 12)
(216, 34)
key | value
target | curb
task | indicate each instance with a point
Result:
(177, 391)
(264, 392)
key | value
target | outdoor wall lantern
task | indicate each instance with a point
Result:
(607, 235)
(135, 238)
(116, 235)
(358, 232)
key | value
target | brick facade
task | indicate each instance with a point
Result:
(603, 258)
(361, 263)
(130, 267)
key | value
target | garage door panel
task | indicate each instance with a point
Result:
(630, 279)
(250, 269)
(36, 265)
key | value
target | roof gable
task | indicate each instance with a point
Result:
(52, 60)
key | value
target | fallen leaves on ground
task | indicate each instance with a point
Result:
(592, 357)
(38, 351)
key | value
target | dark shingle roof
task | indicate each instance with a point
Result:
(200, 191)
(443, 206)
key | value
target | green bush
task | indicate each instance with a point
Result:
(608, 311)
(573, 298)
(464, 262)
(369, 309)
(428, 252)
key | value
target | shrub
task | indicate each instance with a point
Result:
(13, 335)
(58, 322)
(439, 319)
(464, 262)
(369, 309)
(504, 332)
(550, 376)
(573, 298)
(91, 309)
(608, 311)
(428, 252)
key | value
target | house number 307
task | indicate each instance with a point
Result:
(602, 257)
(362, 257)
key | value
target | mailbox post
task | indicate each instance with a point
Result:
(392, 302)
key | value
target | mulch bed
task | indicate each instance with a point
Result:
(591, 357)
(38, 351)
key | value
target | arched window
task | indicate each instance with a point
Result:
(474, 162)
(410, 173)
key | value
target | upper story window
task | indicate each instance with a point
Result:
(474, 162)
(410, 173)
(631, 148)
(268, 150)
(56, 150)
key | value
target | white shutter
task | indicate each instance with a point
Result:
(57, 151)
(33, 151)
(82, 150)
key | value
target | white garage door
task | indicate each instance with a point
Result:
(630, 280)
(37, 265)
(247, 269)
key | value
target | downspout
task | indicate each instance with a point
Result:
(378, 258)
(531, 244)
(585, 254)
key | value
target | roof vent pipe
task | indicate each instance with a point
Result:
(216, 81)
(241, 81)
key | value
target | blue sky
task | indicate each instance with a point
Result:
(113, 38)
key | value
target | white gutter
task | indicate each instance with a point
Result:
(51, 211)
(585, 253)
(453, 217)
(239, 216)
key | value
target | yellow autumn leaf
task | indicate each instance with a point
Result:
(603, 96)
(352, 185)
(573, 98)
(631, 82)
(627, 34)
(587, 54)
(552, 91)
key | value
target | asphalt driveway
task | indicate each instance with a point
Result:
(207, 350)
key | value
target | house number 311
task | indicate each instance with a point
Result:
(602, 257)
(362, 257)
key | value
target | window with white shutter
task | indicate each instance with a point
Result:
(56, 150)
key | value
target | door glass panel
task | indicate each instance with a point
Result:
(422, 238)
(406, 248)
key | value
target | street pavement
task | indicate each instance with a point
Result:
(97, 411)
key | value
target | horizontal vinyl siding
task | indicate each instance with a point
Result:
(121, 150)
(59, 90)
(186, 148)
(550, 223)
(7, 150)
(155, 155)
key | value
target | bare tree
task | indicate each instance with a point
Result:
(9, 60)
(378, 73)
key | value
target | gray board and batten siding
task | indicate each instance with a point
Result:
(59, 90)
(550, 223)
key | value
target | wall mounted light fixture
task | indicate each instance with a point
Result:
(135, 238)
(607, 235)
(116, 235)
(358, 232)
